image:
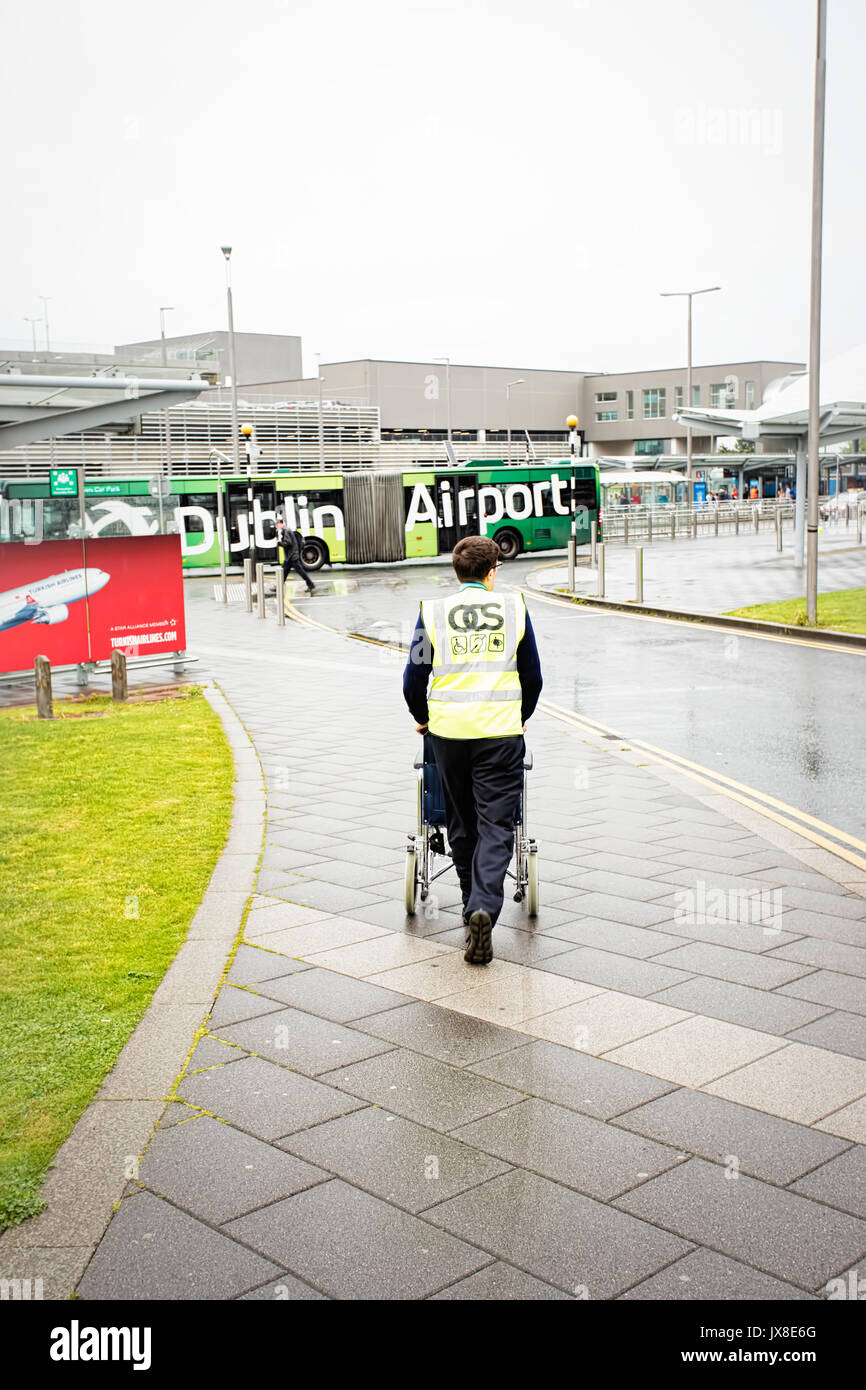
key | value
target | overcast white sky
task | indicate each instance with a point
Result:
(493, 180)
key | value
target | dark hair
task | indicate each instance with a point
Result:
(474, 557)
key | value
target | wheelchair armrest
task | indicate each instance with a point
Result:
(527, 760)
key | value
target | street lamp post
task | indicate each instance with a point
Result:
(689, 295)
(45, 298)
(33, 323)
(236, 459)
(166, 417)
(321, 422)
(519, 382)
(815, 319)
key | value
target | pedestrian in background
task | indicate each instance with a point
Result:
(292, 543)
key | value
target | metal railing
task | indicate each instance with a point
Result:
(637, 523)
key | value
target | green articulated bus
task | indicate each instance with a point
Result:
(362, 517)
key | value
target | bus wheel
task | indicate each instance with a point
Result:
(510, 544)
(314, 554)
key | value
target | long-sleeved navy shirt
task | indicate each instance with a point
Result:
(416, 675)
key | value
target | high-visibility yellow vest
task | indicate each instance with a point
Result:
(475, 690)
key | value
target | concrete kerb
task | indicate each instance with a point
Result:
(819, 636)
(93, 1166)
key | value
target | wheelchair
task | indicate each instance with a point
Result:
(429, 840)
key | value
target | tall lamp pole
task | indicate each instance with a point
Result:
(519, 382)
(33, 323)
(815, 319)
(166, 417)
(45, 298)
(236, 455)
(689, 295)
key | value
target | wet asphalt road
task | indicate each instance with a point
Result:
(788, 720)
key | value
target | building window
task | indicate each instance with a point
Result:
(678, 398)
(654, 406)
(607, 415)
(649, 446)
(629, 405)
(750, 395)
(605, 396)
(696, 395)
(718, 395)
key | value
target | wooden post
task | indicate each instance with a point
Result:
(44, 705)
(118, 675)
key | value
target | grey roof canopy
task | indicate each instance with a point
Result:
(786, 411)
(48, 407)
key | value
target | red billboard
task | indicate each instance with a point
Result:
(75, 601)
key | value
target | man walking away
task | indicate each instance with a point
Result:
(292, 543)
(486, 679)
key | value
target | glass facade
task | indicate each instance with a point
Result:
(750, 395)
(629, 405)
(718, 395)
(606, 415)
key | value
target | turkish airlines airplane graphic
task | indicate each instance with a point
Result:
(47, 600)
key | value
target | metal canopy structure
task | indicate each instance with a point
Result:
(49, 407)
(785, 413)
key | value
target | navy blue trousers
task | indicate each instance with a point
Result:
(482, 779)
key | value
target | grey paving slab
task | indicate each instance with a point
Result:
(509, 943)
(622, 885)
(766, 1010)
(153, 1251)
(558, 1235)
(740, 967)
(351, 875)
(802, 922)
(832, 989)
(573, 1079)
(394, 1158)
(826, 955)
(777, 1231)
(443, 1033)
(265, 1100)
(300, 1040)
(840, 1183)
(423, 1089)
(285, 1289)
(570, 1148)
(329, 995)
(837, 1031)
(354, 1246)
(706, 1275)
(613, 971)
(149, 1063)
(761, 1145)
(235, 1002)
(216, 1173)
(618, 909)
(212, 1052)
(332, 897)
(605, 935)
(500, 1283)
(254, 963)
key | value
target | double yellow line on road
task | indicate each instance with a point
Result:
(801, 822)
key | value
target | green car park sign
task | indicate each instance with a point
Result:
(64, 482)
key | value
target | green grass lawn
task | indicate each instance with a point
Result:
(110, 829)
(845, 611)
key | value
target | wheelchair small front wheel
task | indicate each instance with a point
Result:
(532, 885)
(410, 881)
